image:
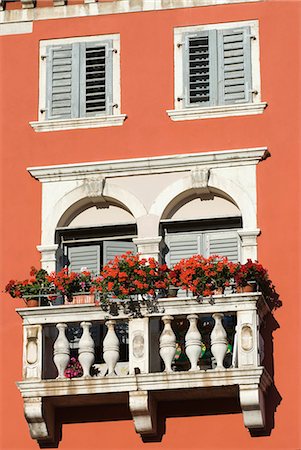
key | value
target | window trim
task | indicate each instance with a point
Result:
(115, 119)
(180, 112)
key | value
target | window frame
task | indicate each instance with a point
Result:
(183, 111)
(110, 118)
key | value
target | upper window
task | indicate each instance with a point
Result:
(79, 83)
(217, 71)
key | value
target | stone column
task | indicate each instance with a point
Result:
(148, 247)
(48, 256)
(32, 352)
(248, 244)
(139, 345)
(247, 339)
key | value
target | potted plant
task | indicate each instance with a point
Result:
(66, 283)
(33, 290)
(84, 284)
(193, 274)
(222, 272)
(203, 276)
(131, 280)
(250, 276)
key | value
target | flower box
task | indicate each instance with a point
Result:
(80, 299)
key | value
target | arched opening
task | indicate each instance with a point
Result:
(200, 223)
(91, 233)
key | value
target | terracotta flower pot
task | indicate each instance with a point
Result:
(250, 287)
(32, 302)
(219, 290)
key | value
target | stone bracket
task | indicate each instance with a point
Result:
(252, 403)
(144, 412)
(41, 425)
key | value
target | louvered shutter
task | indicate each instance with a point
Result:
(84, 256)
(61, 83)
(199, 65)
(182, 246)
(115, 248)
(79, 80)
(224, 243)
(96, 78)
(234, 65)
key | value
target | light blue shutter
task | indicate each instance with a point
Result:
(115, 248)
(182, 246)
(84, 256)
(62, 81)
(96, 78)
(223, 243)
(199, 65)
(234, 66)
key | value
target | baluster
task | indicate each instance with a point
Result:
(111, 347)
(86, 349)
(167, 343)
(61, 350)
(193, 342)
(219, 342)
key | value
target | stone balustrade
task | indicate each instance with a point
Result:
(184, 345)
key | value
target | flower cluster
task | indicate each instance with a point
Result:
(33, 286)
(74, 369)
(202, 276)
(251, 272)
(128, 274)
(70, 283)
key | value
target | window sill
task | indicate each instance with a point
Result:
(73, 124)
(217, 111)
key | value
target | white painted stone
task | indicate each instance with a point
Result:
(144, 412)
(148, 247)
(7, 29)
(248, 338)
(86, 349)
(32, 352)
(253, 406)
(75, 124)
(167, 343)
(193, 341)
(246, 109)
(139, 345)
(219, 341)
(111, 347)
(48, 256)
(61, 350)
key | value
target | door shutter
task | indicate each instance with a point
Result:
(84, 256)
(115, 248)
(61, 82)
(181, 246)
(224, 243)
(234, 65)
(96, 61)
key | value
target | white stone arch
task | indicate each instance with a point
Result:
(238, 186)
(244, 200)
(60, 202)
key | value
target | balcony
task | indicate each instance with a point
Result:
(180, 351)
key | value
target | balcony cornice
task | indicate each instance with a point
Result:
(146, 382)
(143, 166)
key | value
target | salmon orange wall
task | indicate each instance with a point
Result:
(147, 92)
